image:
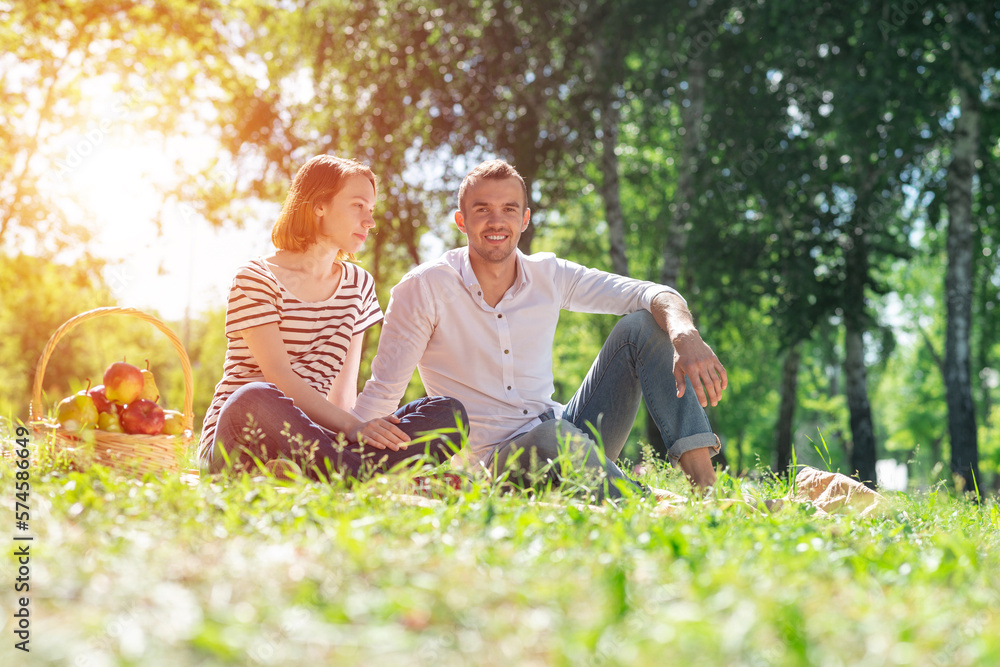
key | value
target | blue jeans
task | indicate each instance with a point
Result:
(635, 362)
(259, 422)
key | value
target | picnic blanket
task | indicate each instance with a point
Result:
(833, 492)
(828, 492)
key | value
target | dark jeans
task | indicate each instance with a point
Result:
(259, 422)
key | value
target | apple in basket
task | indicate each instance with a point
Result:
(109, 421)
(142, 416)
(173, 423)
(77, 412)
(122, 382)
(101, 400)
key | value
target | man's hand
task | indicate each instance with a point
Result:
(693, 358)
(382, 433)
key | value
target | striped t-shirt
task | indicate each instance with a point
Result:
(316, 334)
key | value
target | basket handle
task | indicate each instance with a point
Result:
(36, 392)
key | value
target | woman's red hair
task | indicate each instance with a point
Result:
(317, 181)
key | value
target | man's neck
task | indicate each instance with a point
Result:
(495, 278)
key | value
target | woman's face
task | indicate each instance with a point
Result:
(344, 221)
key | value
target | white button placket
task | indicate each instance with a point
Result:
(506, 356)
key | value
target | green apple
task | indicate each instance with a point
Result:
(108, 421)
(122, 382)
(77, 412)
(149, 390)
(173, 422)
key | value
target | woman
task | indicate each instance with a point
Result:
(295, 322)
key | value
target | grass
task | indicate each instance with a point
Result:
(258, 571)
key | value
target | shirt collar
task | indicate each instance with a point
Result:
(469, 276)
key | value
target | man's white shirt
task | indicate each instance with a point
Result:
(496, 360)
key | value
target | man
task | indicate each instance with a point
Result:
(479, 323)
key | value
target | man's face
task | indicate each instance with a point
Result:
(494, 215)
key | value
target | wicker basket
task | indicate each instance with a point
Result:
(138, 454)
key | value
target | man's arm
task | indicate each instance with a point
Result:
(592, 291)
(406, 330)
(693, 358)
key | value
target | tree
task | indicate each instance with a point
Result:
(39, 296)
(969, 29)
(61, 63)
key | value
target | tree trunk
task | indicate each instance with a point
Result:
(610, 188)
(524, 243)
(526, 159)
(958, 287)
(936, 450)
(677, 225)
(862, 460)
(691, 122)
(862, 431)
(739, 451)
(786, 413)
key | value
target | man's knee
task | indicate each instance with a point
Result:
(642, 329)
(640, 319)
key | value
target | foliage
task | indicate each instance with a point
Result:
(41, 296)
(71, 74)
(38, 297)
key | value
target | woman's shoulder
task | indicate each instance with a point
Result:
(357, 278)
(256, 270)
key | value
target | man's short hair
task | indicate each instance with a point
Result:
(495, 169)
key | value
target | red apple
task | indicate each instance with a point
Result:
(122, 382)
(142, 416)
(101, 400)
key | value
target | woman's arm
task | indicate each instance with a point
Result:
(268, 349)
(344, 390)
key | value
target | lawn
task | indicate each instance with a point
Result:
(187, 571)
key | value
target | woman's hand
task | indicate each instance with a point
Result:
(382, 433)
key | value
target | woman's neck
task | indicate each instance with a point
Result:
(317, 261)
(310, 276)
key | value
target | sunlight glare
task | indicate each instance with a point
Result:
(184, 268)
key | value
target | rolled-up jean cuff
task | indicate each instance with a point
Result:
(696, 441)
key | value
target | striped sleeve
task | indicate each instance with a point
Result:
(370, 310)
(254, 300)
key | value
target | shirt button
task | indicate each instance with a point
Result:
(506, 351)
(499, 317)
(525, 412)
(508, 387)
